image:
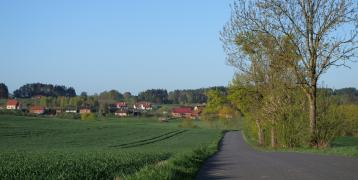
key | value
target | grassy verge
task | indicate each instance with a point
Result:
(341, 146)
(181, 166)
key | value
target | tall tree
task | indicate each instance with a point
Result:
(322, 32)
(4, 92)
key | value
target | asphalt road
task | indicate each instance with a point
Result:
(237, 160)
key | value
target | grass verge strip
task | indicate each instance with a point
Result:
(180, 166)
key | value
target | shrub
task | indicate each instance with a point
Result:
(88, 116)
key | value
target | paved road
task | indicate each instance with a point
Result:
(237, 160)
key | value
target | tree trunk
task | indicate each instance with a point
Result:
(313, 114)
(273, 137)
(260, 133)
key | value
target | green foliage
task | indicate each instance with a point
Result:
(68, 115)
(34, 89)
(159, 96)
(112, 95)
(329, 120)
(88, 116)
(216, 100)
(350, 117)
(188, 123)
(4, 92)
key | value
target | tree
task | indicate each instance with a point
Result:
(216, 100)
(246, 97)
(127, 95)
(311, 26)
(159, 96)
(34, 89)
(4, 92)
(84, 94)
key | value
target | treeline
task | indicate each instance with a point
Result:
(186, 96)
(39, 89)
(157, 96)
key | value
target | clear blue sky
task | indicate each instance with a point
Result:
(125, 45)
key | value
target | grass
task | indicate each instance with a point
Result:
(50, 148)
(341, 146)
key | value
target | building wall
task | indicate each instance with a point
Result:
(11, 107)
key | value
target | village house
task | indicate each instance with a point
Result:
(121, 105)
(12, 104)
(85, 110)
(58, 110)
(37, 110)
(121, 113)
(198, 110)
(143, 106)
(180, 112)
(71, 109)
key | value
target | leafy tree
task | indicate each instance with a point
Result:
(158, 96)
(112, 95)
(312, 27)
(4, 92)
(216, 101)
(84, 94)
(127, 95)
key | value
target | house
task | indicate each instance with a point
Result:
(198, 110)
(58, 110)
(121, 113)
(37, 110)
(85, 110)
(12, 104)
(143, 106)
(121, 105)
(71, 109)
(179, 112)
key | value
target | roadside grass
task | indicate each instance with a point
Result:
(341, 146)
(181, 166)
(51, 148)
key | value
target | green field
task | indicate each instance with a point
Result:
(49, 148)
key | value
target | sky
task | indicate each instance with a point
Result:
(124, 45)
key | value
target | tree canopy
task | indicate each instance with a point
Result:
(35, 89)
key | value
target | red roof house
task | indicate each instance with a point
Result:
(182, 112)
(121, 105)
(12, 104)
(37, 110)
(143, 106)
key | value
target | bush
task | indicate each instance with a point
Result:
(13, 112)
(68, 115)
(329, 121)
(88, 116)
(350, 119)
(187, 123)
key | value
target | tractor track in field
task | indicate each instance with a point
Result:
(149, 140)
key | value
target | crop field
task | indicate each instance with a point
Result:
(50, 148)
